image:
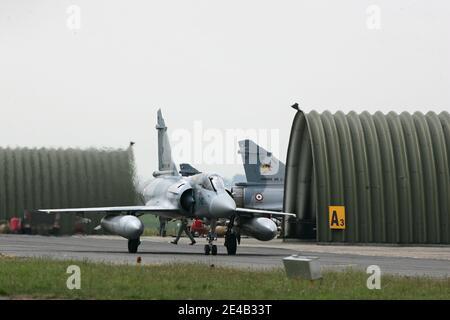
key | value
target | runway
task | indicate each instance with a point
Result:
(252, 255)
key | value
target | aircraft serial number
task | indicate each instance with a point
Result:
(233, 309)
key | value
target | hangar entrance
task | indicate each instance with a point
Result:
(369, 178)
(63, 178)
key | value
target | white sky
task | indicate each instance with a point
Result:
(231, 64)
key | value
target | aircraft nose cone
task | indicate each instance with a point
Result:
(222, 205)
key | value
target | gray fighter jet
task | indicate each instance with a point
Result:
(176, 196)
(264, 188)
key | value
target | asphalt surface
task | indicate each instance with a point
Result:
(253, 255)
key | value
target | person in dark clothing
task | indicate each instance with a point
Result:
(184, 227)
(162, 226)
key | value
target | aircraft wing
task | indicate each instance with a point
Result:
(149, 209)
(251, 211)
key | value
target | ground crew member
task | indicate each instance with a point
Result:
(15, 225)
(197, 227)
(162, 226)
(184, 227)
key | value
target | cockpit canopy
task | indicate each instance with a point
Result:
(213, 182)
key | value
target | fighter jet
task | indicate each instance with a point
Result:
(264, 188)
(171, 195)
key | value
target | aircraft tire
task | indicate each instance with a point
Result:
(133, 245)
(231, 244)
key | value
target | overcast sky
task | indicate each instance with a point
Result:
(95, 77)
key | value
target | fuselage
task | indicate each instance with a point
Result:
(259, 196)
(202, 195)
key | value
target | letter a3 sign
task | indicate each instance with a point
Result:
(337, 217)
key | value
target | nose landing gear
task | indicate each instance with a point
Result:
(210, 247)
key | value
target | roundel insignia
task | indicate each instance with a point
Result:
(259, 197)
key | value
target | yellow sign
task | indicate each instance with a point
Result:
(337, 217)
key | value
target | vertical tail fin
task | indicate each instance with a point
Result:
(260, 165)
(166, 163)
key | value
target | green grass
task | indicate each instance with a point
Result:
(39, 278)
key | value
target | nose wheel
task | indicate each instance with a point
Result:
(133, 245)
(210, 249)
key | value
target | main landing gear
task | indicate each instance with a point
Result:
(231, 239)
(133, 245)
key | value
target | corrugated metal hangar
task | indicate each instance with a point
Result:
(369, 178)
(62, 178)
